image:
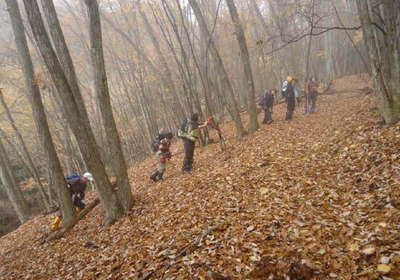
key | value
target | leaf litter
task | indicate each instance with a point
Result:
(314, 198)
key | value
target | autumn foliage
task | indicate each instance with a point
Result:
(314, 198)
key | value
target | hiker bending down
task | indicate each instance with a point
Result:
(288, 93)
(190, 132)
(163, 154)
(76, 185)
(267, 104)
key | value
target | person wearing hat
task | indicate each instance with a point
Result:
(288, 93)
(76, 186)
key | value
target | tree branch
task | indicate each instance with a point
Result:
(296, 39)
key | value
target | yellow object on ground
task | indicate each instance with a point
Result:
(77, 209)
(56, 223)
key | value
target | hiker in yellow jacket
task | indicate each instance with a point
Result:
(190, 132)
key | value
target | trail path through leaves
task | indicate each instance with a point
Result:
(314, 198)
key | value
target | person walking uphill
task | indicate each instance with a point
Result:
(76, 185)
(190, 132)
(288, 93)
(312, 92)
(163, 154)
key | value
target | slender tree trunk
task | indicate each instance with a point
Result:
(64, 56)
(251, 106)
(59, 187)
(14, 193)
(83, 134)
(32, 168)
(101, 88)
(164, 63)
(309, 42)
(233, 106)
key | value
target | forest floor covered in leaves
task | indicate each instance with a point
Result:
(314, 198)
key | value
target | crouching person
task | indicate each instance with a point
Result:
(163, 154)
(76, 185)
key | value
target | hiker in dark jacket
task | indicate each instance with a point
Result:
(77, 187)
(288, 93)
(267, 104)
(189, 133)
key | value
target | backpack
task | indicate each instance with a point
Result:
(72, 176)
(154, 145)
(156, 142)
(285, 88)
(182, 132)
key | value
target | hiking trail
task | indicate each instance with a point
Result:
(317, 197)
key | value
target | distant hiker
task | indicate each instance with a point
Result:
(76, 185)
(311, 96)
(190, 132)
(267, 104)
(288, 93)
(297, 91)
(163, 154)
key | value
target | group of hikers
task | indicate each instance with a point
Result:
(292, 93)
(189, 132)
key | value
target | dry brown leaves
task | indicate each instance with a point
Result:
(315, 198)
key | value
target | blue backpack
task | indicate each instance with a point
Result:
(72, 176)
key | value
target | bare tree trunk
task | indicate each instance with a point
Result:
(384, 55)
(83, 134)
(32, 168)
(251, 107)
(14, 193)
(59, 187)
(64, 56)
(101, 88)
(309, 42)
(233, 106)
(163, 61)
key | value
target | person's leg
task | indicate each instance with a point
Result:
(161, 170)
(313, 103)
(78, 203)
(306, 103)
(192, 146)
(187, 161)
(154, 175)
(290, 108)
(268, 116)
(265, 117)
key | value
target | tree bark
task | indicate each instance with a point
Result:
(384, 55)
(53, 162)
(60, 233)
(14, 193)
(64, 56)
(233, 108)
(32, 168)
(83, 134)
(101, 88)
(245, 57)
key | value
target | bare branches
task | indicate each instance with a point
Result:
(296, 39)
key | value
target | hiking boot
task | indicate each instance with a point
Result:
(154, 176)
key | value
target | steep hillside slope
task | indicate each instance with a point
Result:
(314, 198)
